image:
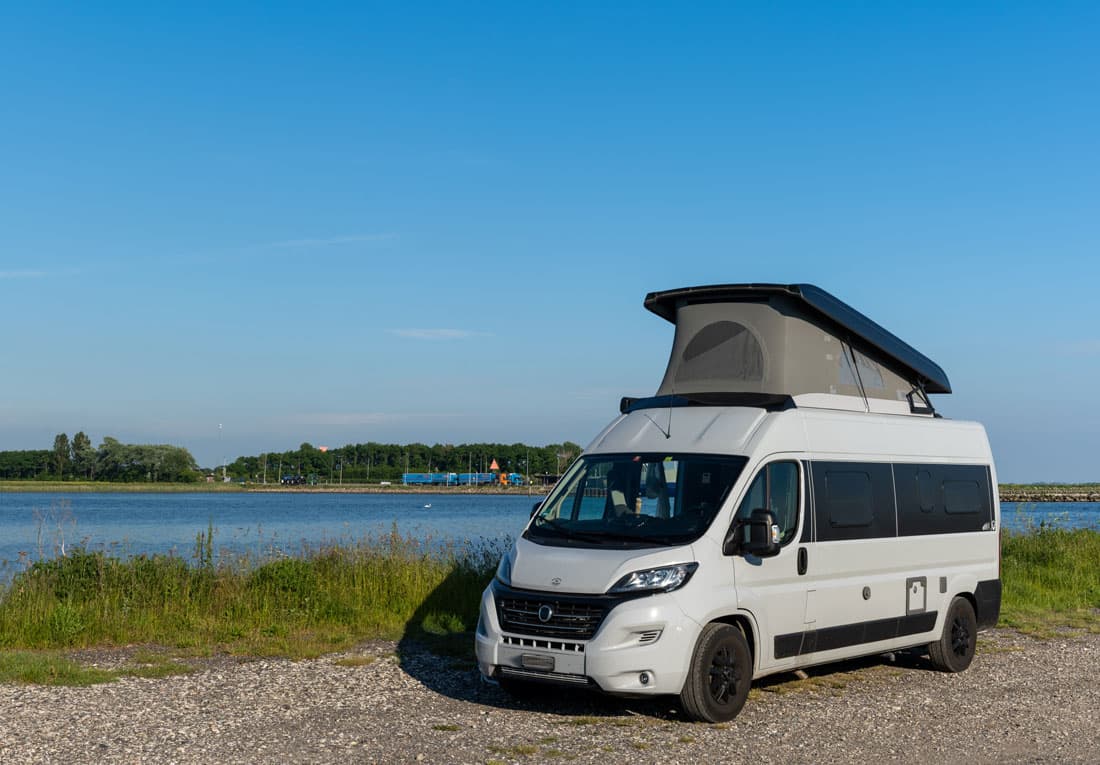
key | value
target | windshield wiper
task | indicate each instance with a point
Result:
(614, 535)
(567, 532)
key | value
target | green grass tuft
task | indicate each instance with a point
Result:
(1051, 580)
(326, 600)
(332, 598)
(48, 669)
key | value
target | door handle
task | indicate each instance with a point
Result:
(803, 560)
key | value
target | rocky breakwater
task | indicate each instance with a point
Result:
(1012, 495)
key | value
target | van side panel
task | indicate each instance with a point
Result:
(904, 520)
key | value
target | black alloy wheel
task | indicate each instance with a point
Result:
(954, 651)
(720, 675)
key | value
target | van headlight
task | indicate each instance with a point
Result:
(504, 569)
(663, 579)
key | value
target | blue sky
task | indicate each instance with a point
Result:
(437, 222)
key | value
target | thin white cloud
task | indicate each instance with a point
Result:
(330, 241)
(437, 334)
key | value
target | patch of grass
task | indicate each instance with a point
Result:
(686, 740)
(153, 665)
(1050, 580)
(987, 646)
(826, 682)
(152, 671)
(49, 669)
(327, 599)
(520, 750)
(447, 727)
(545, 740)
(354, 661)
(580, 721)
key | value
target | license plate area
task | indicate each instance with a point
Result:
(523, 657)
(537, 661)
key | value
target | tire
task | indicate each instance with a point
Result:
(954, 651)
(720, 675)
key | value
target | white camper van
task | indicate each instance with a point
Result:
(788, 497)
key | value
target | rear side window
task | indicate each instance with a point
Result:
(943, 499)
(853, 500)
(961, 497)
(849, 498)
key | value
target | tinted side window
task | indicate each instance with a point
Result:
(849, 498)
(942, 499)
(853, 500)
(961, 497)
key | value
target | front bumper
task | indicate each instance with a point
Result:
(642, 647)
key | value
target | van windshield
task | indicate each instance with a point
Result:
(635, 500)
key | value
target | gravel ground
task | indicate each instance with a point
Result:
(1022, 700)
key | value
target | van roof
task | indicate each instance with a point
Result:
(830, 310)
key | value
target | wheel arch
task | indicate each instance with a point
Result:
(744, 623)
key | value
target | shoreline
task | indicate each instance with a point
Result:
(1053, 496)
(1059, 494)
(85, 487)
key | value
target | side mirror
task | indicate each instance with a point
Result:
(758, 535)
(535, 509)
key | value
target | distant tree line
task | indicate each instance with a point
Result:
(386, 462)
(77, 459)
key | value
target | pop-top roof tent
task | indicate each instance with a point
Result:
(770, 344)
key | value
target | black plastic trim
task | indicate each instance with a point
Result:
(818, 301)
(547, 678)
(800, 643)
(773, 402)
(988, 597)
(808, 518)
(605, 601)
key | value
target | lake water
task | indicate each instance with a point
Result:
(33, 525)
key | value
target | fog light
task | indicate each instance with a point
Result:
(644, 678)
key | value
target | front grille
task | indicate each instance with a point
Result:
(546, 645)
(569, 619)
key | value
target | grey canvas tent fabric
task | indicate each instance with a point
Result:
(770, 341)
